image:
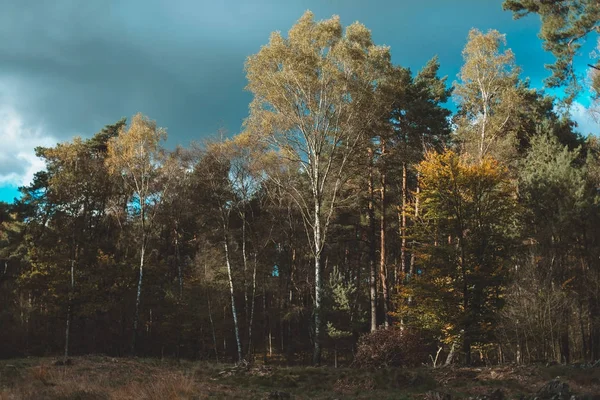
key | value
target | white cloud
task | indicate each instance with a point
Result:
(585, 121)
(18, 162)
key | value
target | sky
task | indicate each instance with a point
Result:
(69, 67)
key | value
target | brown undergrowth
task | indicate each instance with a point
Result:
(100, 378)
(105, 378)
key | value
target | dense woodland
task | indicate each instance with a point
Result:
(354, 219)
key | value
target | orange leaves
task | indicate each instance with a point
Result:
(438, 168)
(451, 167)
(450, 183)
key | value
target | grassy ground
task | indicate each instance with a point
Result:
(103, 378)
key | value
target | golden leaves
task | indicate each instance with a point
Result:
(449, 168)
(316, 82)
(135, 148)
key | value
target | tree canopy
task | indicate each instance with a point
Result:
(356, 219)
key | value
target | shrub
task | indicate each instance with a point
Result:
(391, 347)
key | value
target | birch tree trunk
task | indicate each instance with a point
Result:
(318, 283)
(245, 261)
(451, 354)
(231, 290)
(372, 270)
(136, 317)
(250, 347)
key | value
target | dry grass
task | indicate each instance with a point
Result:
(100, 378)
(104, 378)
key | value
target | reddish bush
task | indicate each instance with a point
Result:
(391, 347)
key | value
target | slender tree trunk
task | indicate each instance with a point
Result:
(466, 305)
(411, 264)
(584, 349)
(266, 326)
(594, 335)
(28, 321)
(372, 270)
(500, 355)
(411, 267)
(403, 257)
(136, 317)
(565, 349)
(318, 283)
(212, 324)
(67, 329)
(231, 290)
(224, 336)
(250, 347)
(290, 300)
(335, 355)
(382, 253)
(281, 333)
(245, 260)
(178, 261)
(483, 122)
(5, 271)
(70, 306)
(180, 278)
(451, 354)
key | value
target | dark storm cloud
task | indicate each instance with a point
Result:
(110, 80)
(69, 67)
(74, 66)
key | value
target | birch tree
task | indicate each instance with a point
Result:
(246, 180)
(212, 175)
(135, 156)
(486, 95)
(313, 103)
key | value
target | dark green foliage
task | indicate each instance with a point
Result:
(558, 269)
(474, 234)
(566, 24)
